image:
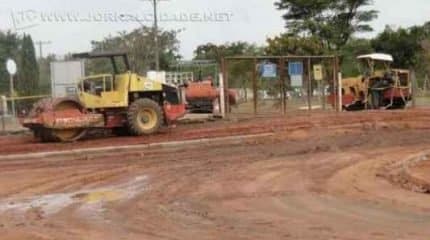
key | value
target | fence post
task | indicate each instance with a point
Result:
(3, 103)
(222, 95)
(414, 89)
(283, 87)
(254, 85)
(335, 85)
(339, 92)
(338, 87)
(225, 104)
(310, 92)
(322, 88)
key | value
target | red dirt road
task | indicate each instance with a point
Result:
(320, 176)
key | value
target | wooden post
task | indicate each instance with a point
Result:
(414, 88)
(12, 96)
(337, 86)
(3, 113)
(223, 80)
(226, 88)
(319, 83)
(334, 84)
(309, 85)
(322, 88)
(282, 85)
(222, 95)
(339, 92)
(254, 85)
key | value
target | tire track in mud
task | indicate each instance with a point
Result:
(223, 129)
(311, 180)
(404, 173)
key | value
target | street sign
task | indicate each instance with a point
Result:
(318, 72)
(269, 70)
(296, 81)
(11, 67)
(295, 68)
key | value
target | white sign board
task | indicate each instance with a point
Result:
(296, 81)
(11, 67)
(156, 76)
(269, 70)
(65, 76)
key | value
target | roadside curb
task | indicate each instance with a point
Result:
(173, 144)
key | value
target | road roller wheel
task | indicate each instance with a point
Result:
(36, 133)
(68, 135)
(51, 135)
(144, 117)
(46, 135)
(58, 108)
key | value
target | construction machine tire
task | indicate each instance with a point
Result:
(144, 117)
(46, 135)
(56, 107)
(121, 131)
(398, 105)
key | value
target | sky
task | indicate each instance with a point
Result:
(70, 26)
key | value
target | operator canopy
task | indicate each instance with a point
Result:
(378, 57)
(111, 55)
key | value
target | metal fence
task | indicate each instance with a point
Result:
(179, 78)
(11, 113)
(421, 91)
(281, 84)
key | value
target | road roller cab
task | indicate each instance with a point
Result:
(123, 101)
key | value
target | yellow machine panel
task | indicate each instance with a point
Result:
(142, 84)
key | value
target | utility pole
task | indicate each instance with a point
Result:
(40, 44)
(12, 95)
(157, 48)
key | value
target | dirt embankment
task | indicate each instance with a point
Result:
(323, 176)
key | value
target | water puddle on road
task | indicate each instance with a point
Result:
(52, 203)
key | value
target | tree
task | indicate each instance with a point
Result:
(239, 71)
(45, 73)
(139, 44)
(211, 51)
(349, 53)
(332, 22)
(286, 44)
(404, 44)
(410, 47)
(28, 76)
(9, 48)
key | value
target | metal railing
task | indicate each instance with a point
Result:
(179, 78)
(8, 116)
(105, 79)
